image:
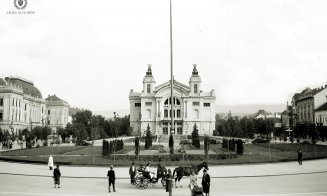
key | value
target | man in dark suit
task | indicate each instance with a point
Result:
(299, 157)
(206, 182)
(111, 178)
(56, 176)
(132, 172)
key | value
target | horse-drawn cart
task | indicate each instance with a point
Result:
(142, 179)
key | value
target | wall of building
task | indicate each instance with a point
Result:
(321, 117)
(320, 98)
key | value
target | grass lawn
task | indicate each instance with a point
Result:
(91, 155)
(43, 150)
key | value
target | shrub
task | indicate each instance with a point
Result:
(239, 147)
(148, 138)
(206, 145)
(137, 146)
(195, 137)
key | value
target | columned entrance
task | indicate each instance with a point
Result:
(178, 128)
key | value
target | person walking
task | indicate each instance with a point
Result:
(206, 182)
(50, 162)
(299, 157)
(56, 176)
(111, 178)
(132, 172)
(193, 181)
(169, 181)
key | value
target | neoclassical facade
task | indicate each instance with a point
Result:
(22, 106)
(57, 111)
(152, 106)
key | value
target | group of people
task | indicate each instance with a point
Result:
(205, 183)
(193, 178)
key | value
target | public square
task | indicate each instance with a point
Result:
(261, 179)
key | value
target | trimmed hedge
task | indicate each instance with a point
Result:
(174, 157)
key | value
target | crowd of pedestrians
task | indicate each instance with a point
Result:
(193, 185)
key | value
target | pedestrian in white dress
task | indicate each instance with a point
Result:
(50, 162)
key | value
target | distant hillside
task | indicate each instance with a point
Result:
(238, 109)
(249, 109)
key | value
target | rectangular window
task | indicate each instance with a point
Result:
(1, 116)
(148, 103)
(206, 104)
(196, 103)
(137, 104)
(13, 102)
(165, 130)
(25, 107)
(1, 101)
(48, 112)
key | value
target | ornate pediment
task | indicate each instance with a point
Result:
(179, 88)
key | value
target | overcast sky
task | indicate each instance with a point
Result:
(92, 52)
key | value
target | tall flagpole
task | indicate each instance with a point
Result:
(171, 74)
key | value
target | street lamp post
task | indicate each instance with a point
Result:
(171, 73)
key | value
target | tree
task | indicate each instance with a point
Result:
(37, 132)
(94, 134)
(46, 131)
(239, 147)
(137, 145)
(195, 137)
(148, 138)
(62, 132)
(171, 144)
(206, 145)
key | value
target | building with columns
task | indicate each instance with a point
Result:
(191, 105)
(22, 106)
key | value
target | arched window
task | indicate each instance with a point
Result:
(178, 113)
(148, 88)
(176, 101)
(195, 88)
(166, 113)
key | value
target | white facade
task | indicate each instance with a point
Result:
(57, 112)
(191, 106)
(21, 104)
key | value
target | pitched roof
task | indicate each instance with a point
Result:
(322, 108)
(53, 98)
(27, 86)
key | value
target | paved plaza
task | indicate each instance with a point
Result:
(261, 179)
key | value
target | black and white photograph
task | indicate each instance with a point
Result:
(163, 97)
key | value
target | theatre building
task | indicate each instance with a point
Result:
(191, 105)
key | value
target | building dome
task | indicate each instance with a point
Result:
(27, 86)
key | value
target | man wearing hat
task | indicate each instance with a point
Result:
(206, 182)
(111, 178)
(132, 172)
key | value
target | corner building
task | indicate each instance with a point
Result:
(191, 106)
(21, 104)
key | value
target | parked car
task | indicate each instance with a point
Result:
(260, 141)
(86, 143)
